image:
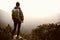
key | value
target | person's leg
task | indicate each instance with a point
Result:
(19, 26)
(15, 25)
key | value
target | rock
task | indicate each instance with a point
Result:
(20, 38)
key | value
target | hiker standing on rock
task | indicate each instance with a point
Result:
(18, 18)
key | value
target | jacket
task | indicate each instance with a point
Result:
(21, 17)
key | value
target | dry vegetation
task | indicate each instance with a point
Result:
(42, 32)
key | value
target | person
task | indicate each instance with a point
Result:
(17, 19)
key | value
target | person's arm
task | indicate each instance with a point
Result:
(21, 14)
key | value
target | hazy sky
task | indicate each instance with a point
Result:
(35, 8)
(35, 12)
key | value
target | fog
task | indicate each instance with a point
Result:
(29, 22)
(36, 12)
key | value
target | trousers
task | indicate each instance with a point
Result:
(17, 23)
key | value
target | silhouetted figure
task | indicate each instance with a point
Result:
(17, 18)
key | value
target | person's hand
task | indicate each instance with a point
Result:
(21, 21)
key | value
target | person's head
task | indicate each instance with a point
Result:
(17, 4)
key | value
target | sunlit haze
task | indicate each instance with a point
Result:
(35, 12)
(34, 8)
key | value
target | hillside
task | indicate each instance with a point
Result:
(42, 32)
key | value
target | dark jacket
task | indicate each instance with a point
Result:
(20, 15)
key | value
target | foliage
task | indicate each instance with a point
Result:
(42, 32)
(26, 36)
(5, 33)
(46, 32)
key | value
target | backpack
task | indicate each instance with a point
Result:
(15, 13)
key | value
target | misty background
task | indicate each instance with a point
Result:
(36, 12)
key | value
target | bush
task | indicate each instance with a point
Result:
(5, 33)
(46, 32)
